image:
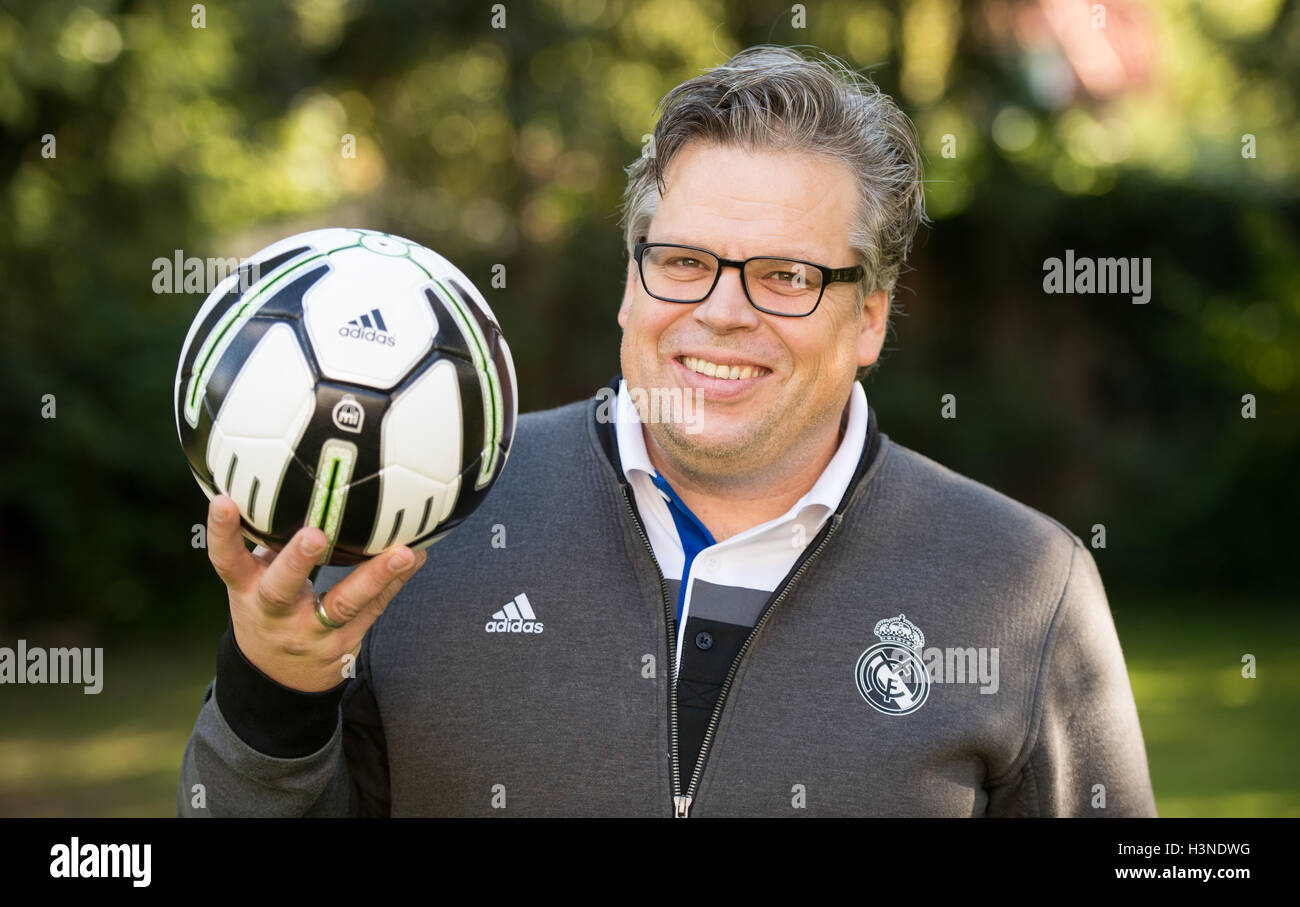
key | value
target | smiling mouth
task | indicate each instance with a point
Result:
(725, 372)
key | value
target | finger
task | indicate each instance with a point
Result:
(355, 592)
(358, 625)
(285, 580)
(390, 591)
(226, 550)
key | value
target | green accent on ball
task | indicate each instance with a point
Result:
(489, 381)
(330, 494)
(220, 336)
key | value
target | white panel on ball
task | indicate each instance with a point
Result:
(399, 484)
(421, 452)
(273, 394)
(250, 470)
(260, 428)
(256, 477)
(367, 338)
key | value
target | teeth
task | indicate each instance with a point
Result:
(726, 372)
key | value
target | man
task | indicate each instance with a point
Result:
(755, 605)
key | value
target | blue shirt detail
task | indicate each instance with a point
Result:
(695, 536)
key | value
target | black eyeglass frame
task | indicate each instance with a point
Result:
(829, 275)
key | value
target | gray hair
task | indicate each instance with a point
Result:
(772, 98)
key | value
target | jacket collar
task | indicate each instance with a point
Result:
(609, 442)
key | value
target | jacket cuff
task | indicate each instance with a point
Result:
(268, 716)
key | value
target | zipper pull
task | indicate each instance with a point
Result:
(683, 807)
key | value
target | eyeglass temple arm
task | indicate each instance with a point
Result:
(844, 275)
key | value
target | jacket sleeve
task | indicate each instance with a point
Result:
(1086, 756)
(262, 749)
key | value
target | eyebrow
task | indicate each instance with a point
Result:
(797, 254)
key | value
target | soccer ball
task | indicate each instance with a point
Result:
(349, 380)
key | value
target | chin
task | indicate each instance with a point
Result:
(706, 443)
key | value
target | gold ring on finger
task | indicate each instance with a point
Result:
(323, 617)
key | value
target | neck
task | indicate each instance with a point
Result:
(728, 504)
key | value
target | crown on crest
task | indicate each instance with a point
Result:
(902, 631)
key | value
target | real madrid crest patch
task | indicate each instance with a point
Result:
(890, 675)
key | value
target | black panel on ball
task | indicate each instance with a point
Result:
(470, 497)
(272, 544)
(194, 442)
(234, 295)
(504, 372)
(449, 339)
(471, 411)
(205, 482)
(362, 501)
(358, 520)
(492, 331)
(485, 323)
(286, 301)
(291, 502)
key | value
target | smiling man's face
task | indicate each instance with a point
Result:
(739, 205)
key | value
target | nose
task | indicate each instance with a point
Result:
(727, 307)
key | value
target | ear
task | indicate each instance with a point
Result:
(629, 293)
(872, 324)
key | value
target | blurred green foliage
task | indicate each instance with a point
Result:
(506, 146)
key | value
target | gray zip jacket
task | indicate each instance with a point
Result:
(447, 718)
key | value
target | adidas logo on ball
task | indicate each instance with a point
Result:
(363, 328)
(516, 617)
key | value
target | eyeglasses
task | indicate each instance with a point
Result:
(777, 286)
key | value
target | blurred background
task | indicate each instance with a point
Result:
(1165, 130)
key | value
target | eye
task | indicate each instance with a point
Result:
(683, 261)
(787, 277)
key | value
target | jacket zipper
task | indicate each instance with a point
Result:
(685, 802)
(682, 803)
(679, 808)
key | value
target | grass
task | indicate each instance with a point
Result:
(1218, 744)
(116, 753)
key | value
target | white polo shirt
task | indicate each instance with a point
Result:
(730, 581)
